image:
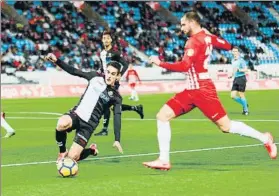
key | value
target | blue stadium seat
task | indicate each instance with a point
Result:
(165, 4)
(37, 3)
(10, 2)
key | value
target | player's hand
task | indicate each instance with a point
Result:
(155, 60)
(118, 146)
(51, 57)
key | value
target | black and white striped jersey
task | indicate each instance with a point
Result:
(97, 97)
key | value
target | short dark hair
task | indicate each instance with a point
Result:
(106, 32)
(116, 65)
(192, 15)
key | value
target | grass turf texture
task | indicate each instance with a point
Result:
(239, 171)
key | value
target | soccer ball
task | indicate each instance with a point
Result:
(67, 167)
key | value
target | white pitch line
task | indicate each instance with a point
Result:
(32, 118)
(47, 113)
(139, 155)
(146, 119)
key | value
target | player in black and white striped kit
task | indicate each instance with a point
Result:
(107, 55)
(85, 116)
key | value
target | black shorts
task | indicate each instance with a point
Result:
(83, 129)
(239, 84)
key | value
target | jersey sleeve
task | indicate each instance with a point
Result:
(76, 72)
(117, 110)
(190, 52)
(220, 43)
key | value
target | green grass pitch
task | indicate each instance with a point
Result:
(239, 171)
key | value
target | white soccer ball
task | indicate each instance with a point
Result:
(67, 167)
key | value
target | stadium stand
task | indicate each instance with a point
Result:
(61, 28)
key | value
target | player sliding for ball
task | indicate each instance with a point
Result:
(85, 116)
(199, 92)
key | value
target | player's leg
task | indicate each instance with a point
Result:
(242, 87)
(239, 85)
(214, 110)
(78, 151)
(65, 123)
(240, 128)
(180, 104)
(6, 126)
(245, 103)
(234, 95)
(104, 131)
(134, 92)
(92, 150)
(75, 151)
(163, 117)
(138, 109)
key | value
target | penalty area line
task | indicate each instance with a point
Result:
(139, 155)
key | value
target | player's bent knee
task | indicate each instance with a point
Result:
(64, 123)
(241, 94)
(233, 96)
(162, 117)
(224, 128)
(224, 124)
(165, 114)
(75, 156)
(75, 151)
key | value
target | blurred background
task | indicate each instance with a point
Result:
(30, 30)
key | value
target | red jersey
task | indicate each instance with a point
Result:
(132, 76)
(196, 57)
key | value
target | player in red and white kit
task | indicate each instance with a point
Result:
(199, 92)
(132, 77)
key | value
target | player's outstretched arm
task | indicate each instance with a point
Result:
(179, 66)
(69, 69)
(220, 43)
(117, 124)
(190, 52)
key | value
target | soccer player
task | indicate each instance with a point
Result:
(239, 82)
(199, 92)
(132, 77)
(85, 116)
(109, 54)
(6, 126)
